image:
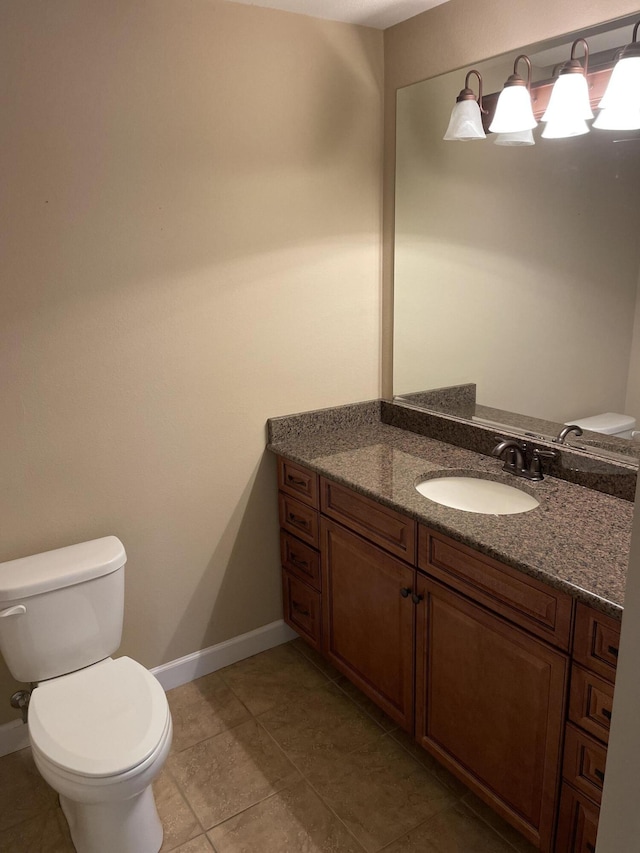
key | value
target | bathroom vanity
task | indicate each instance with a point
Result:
(492, 639)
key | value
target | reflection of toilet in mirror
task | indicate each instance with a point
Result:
(100, 728)
(608, 423)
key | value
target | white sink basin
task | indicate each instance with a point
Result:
(475, 495)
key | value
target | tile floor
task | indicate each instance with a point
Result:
(280, 754)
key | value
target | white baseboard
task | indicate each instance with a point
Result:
(197, 664)
(15, 736)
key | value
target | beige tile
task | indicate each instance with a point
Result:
(178, 821)
(46, 833)
(454, 830)
(198, 845)
(227, 773)
(363, 702)
(430, 763)
(379, 792)
(272, 678)
(293, 821)
(24, 792)
(505, 830)
(324, 724)
(201, 709)
(315, 657)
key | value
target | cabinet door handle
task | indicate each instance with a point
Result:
(296, 481)
(613, 651)
(599, 774)
(606, 713)
(416, 598)
(297, 519)
(405, 592)
(299, 608)
(590, 847)
(299, 564)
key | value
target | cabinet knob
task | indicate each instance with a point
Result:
(606, 713)
(613, 651)
(405, 592)
(416, 598)
(599, 774)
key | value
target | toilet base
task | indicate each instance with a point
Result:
(128, 826)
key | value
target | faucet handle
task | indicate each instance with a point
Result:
(535, 467)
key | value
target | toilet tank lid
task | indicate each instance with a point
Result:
(62, 567)
(608, 423)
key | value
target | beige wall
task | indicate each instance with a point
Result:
(191, 244)
(632, 402)
(450, 36)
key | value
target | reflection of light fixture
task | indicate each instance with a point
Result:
(620, 104)
(465, 123)
(513, 110)
(569, 106)
(522, 137)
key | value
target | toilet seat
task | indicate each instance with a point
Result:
(99, 722)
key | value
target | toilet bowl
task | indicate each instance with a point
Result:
(100, 728)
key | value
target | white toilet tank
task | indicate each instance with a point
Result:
(62, 610)
(608, 423)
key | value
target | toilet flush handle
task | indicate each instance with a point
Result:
(16, 610)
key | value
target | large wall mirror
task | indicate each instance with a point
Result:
(517, 269)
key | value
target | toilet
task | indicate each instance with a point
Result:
(100, 727)
(608, 423)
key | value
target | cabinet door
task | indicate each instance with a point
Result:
(490, 706)
(369, 619)
(577, 823)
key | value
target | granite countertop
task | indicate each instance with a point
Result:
(577, 540)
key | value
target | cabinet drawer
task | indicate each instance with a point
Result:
(298, 482)
(300, 560)
(299, 519)
(590, 703)
(596, 641)
(542, 610)
(302, 609)
(577, 823)
(389, 529)
(584, 763)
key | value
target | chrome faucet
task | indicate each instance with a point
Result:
(564, 432)
(522, 459)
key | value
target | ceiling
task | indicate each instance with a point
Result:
(370, 13)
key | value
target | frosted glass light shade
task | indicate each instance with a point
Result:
(569, 100)
(618, 119)
(513, 111)
(559, 127)
(522, 137)
(623, 90)
(465, 124)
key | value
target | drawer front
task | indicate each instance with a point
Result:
(577, 823)
(299, 519)
(584, 763)
(539, 608)
(596, 641)
(389, 529)
(298, 482)
(300, 560)
(590, 703)
(302, 609)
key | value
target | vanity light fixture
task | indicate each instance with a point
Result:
(514, 112)
(521, 137)
(620, 104)
(465, 124)
(569, 106)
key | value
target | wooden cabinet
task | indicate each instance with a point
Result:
(490, 706)
(595, 656)
(470, 655)
(369, 619)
